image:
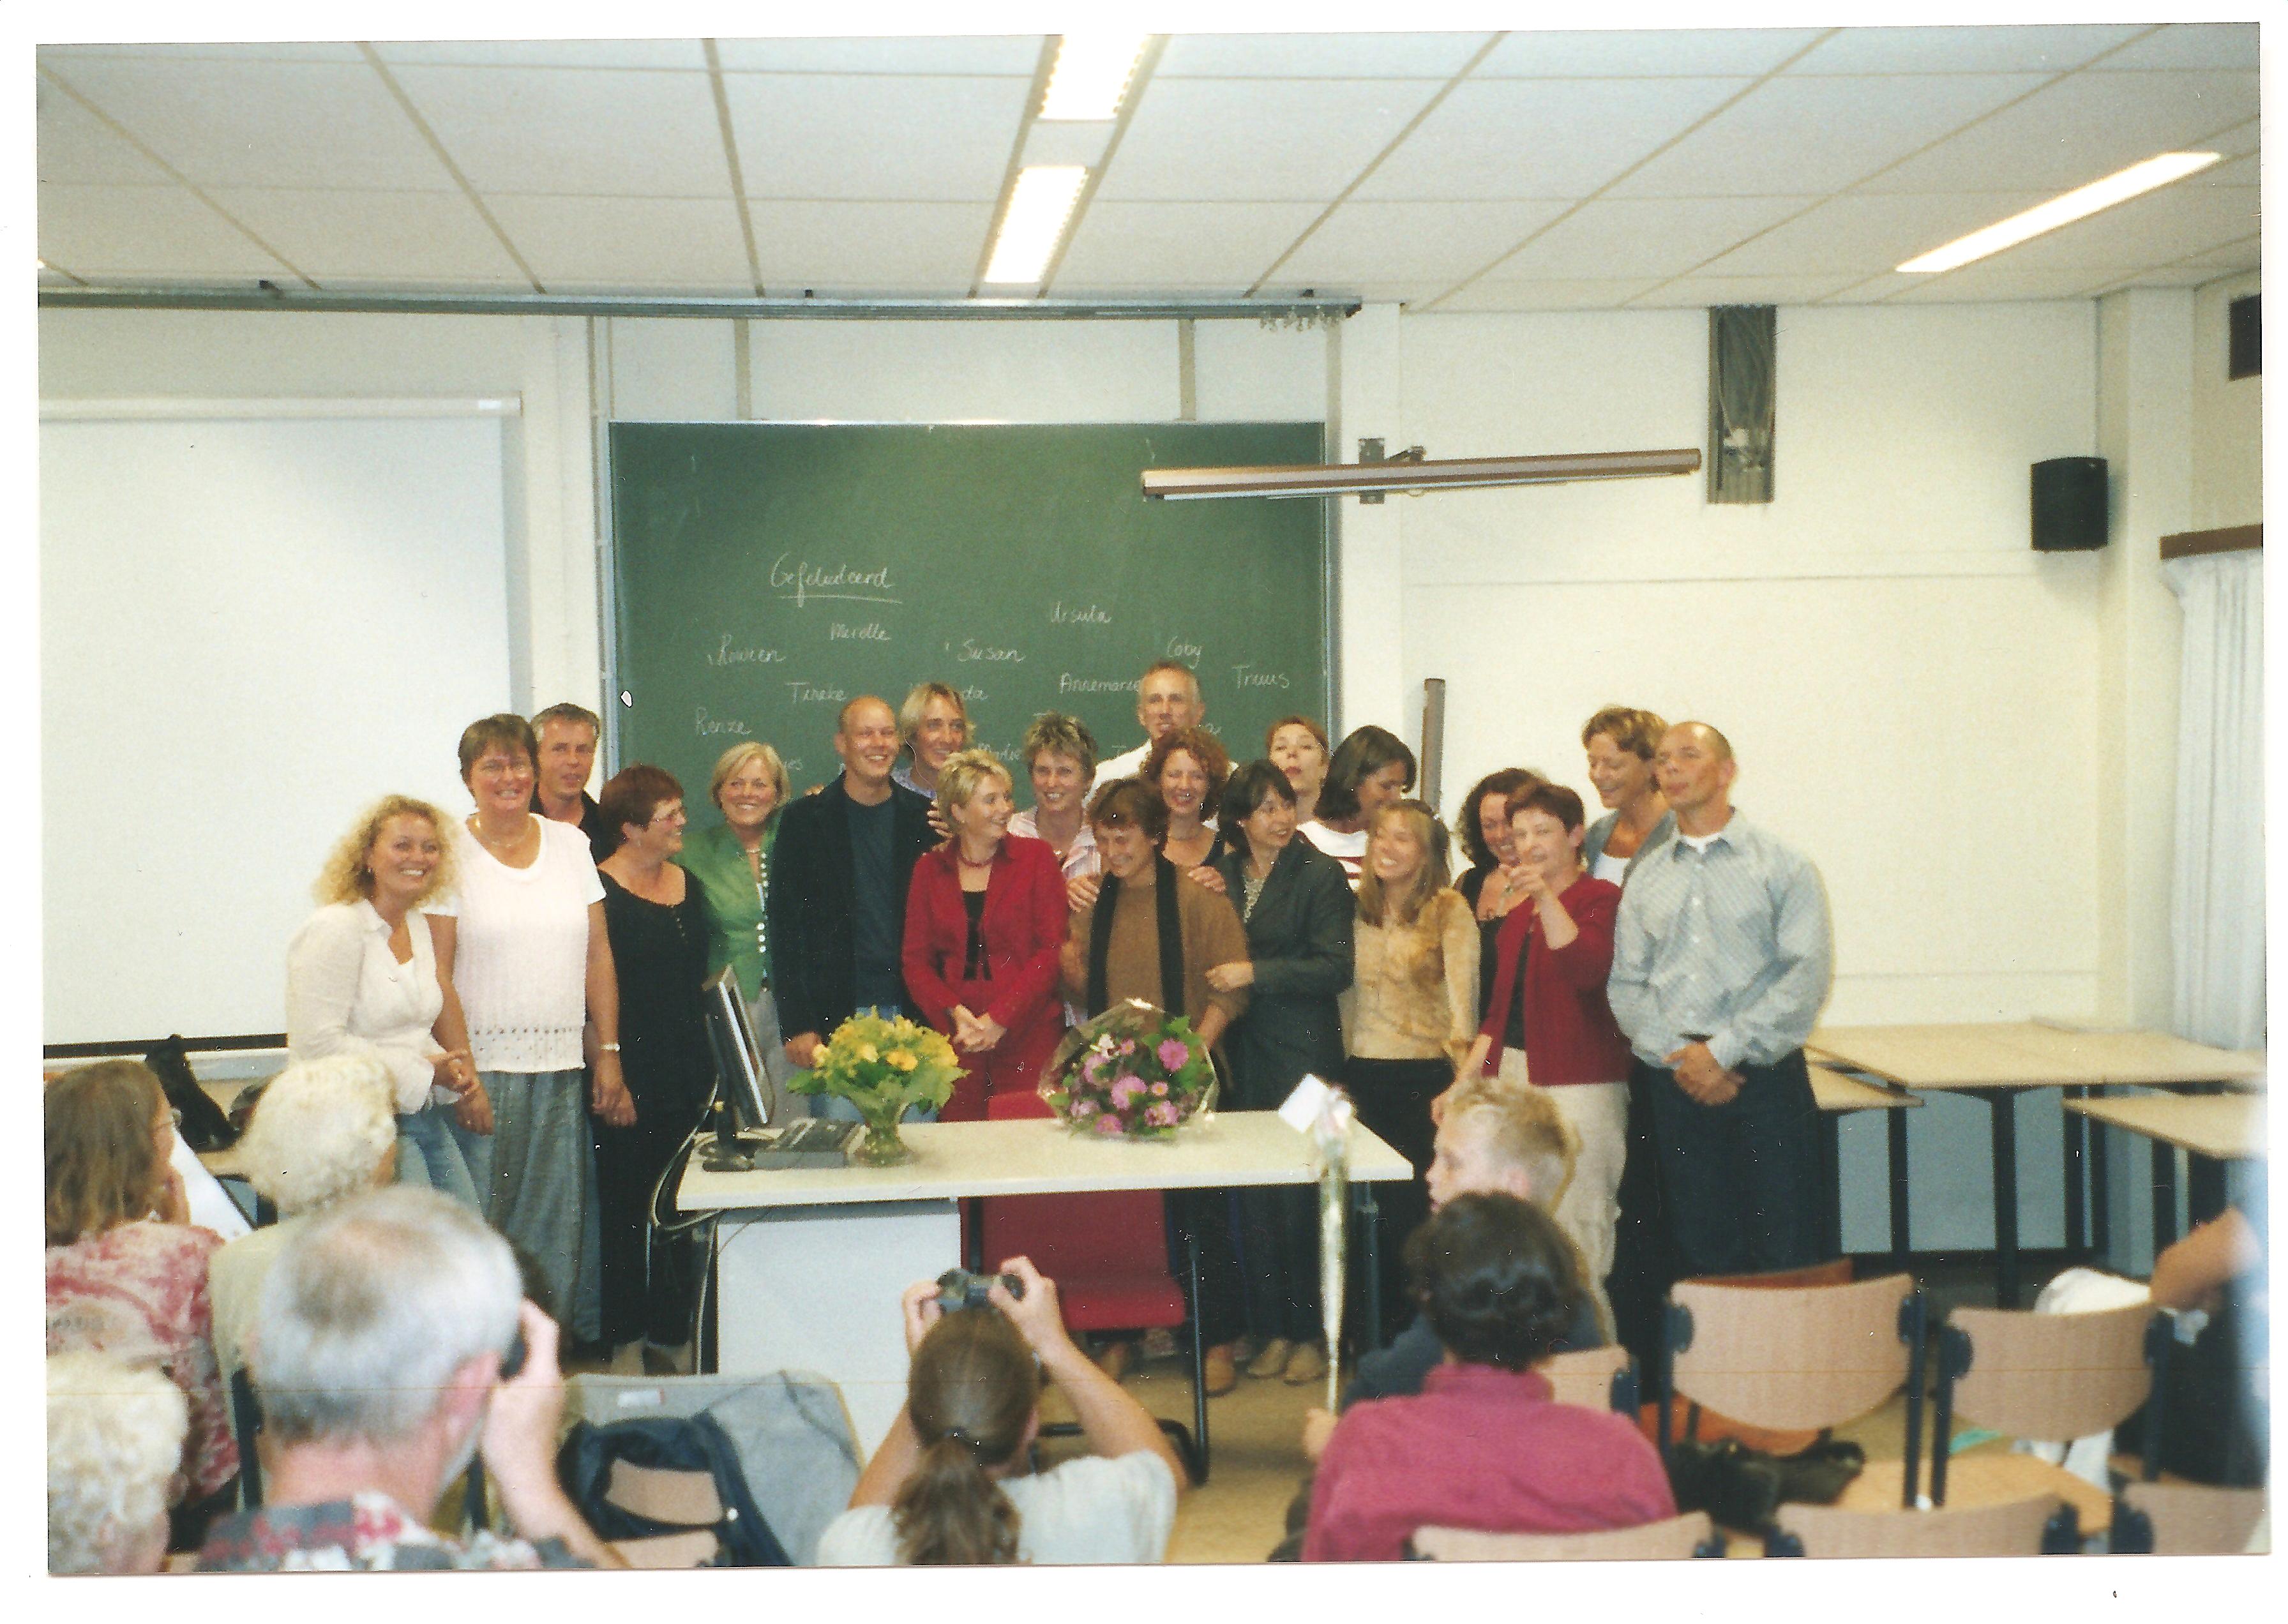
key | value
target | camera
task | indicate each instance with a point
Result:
(958, 1288)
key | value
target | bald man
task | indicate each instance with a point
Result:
(837, 897)
(1721, 959)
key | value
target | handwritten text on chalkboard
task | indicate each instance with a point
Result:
(1064, 614)
(705, 725)
(730, 654)
(801, 582)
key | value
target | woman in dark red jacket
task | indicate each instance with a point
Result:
(985, 920)
(1548, 1026)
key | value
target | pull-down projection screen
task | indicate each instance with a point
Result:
(249, 628)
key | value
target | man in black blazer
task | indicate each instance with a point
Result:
(836, 906)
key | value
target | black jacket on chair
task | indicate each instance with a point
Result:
(1300, 937)
(808, 905)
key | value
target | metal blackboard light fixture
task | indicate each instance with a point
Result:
(1372, 475)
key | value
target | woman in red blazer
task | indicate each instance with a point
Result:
(1548, 1026)
(985, 920)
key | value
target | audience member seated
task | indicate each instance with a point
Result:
(115, 1446)
(1483, 1445)
(127, 1272)
(323, 1132)
(950, 1484)
(393, 1341)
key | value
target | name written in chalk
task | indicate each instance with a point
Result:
(729, 653)
(800, 581)
(706, 726)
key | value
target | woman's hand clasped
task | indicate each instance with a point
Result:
(473, 1110)
(1231, 977)
(973, 1034)
(612, 1100)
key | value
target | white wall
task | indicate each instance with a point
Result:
(2227, 418)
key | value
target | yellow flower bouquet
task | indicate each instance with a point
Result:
(884, 1068)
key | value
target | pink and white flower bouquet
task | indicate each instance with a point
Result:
(1132, 1072)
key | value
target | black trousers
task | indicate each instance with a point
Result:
(1644, 1260)
(1279, 1253)
(1741, 1179)
(1392, 1098)
(1205, 1216)
(649, 1282)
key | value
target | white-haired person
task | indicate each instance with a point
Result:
(362, 978)
(393, 1345)
(323, 1132)
(115, 1443)
(950, 1484)
(732, 863)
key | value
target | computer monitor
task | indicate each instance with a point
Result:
(738, 1061)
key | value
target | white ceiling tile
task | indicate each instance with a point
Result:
(1317, 56)
(1997, 281)
(306, 50)
(2083, 126)
(1696, 292)
(2236, 142)
(1758, 144)
(1364, 242)
(2242, 255)
(76, 147)
(653, 53)
(1595, 294)
(53, 276)
(398, 237)
(1864, 235)
(259, 123)
(635, 242)
(597, 133)
(880, 246)
(1220, 245)
(155, 232)
(1541, 137)
(1644, 236)
(2162, 277)
(2154, 229)
(1013, 55)
(1258, 139)
(2191, 45)
(831, 136)
(1640, 54)
(2010, 48)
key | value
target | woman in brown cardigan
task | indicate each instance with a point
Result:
(1152, 926)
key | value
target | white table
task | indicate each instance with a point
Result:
(809, 1264)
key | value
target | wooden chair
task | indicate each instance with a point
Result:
(666, 1496)
(1806, 1358)
(1675, 1538)
(2038, 1524)
(1593, 1378)
(1715, 1424)
(2042, 1376)
(2184, 1519)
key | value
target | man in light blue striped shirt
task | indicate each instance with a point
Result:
(1722, 957)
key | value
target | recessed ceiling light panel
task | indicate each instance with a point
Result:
(1038, 207)
(2076, 205)
(1092, 74)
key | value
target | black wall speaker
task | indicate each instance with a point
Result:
(2070, 504)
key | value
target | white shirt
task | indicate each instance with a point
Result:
(346, 994)
(1347, 849)
(521, 956)
(1081, 857)
(1125, 764)
(1089, 1511)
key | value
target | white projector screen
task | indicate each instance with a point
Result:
(250, 629)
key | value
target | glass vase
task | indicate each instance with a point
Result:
(881, 1145)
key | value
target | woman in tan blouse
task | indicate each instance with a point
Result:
(1119, 948)
(1411, 1011)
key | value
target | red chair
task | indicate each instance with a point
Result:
(1109, 1256)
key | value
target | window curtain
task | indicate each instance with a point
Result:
(2217, 894)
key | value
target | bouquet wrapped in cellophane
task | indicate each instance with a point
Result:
(1133, 1072)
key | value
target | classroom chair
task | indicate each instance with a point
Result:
(1712, 1425)
(1108, 1254)
(1593, 1378)
(2183, 1519)
(1672, 1539)
(1798, 1357)
(2038, 1524)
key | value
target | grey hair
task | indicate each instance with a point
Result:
(320, 1130)
(370, 1310)
(115, 1440)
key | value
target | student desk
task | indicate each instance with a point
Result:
(1993, 1061)
(809, 1263)
(2211, 1129)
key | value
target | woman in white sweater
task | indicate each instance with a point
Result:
(362, 978)
(525, 945)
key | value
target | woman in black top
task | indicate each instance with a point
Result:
(1484, 825)
(659, 931)
(1297, 908)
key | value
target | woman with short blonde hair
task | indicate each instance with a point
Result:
(732, 863)
(1620, 742)
(932, 724)
(115, 1440)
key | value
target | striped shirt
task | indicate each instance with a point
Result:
(1732, 941)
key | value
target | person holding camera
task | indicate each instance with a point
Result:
(951, 1483)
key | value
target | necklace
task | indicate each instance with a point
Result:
(962, 857)
(503, 842)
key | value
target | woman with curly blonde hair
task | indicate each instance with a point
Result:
(362, 978)
(127, 1271)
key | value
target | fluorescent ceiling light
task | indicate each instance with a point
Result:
(1091, 75)
(1038, 208)
(2076, 204)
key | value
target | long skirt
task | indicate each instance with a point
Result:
(541, 1191)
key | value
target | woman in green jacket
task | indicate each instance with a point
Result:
(732, 863)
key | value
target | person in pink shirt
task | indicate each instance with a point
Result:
(1483, 1445)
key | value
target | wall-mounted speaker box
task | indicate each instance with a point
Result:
(2070, 504)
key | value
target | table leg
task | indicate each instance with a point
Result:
(709, 1351)
(1897, 1129)
(2101, 1182)
(1370, 1223)
(2204, 1187)
(1830, 1183)
(2165, 1197)
(2076, 1137)
(2002, 1103)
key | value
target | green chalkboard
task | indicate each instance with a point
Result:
(764, 573)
